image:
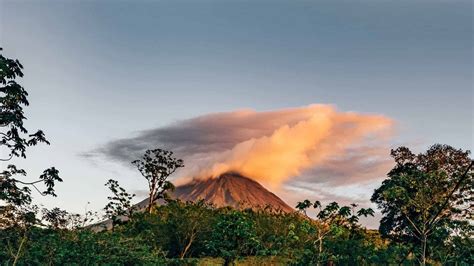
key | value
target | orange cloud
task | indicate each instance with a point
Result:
(322, 133)
(316, 143)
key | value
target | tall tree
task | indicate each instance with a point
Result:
(156, 166)
(15, 139)
(425, 193)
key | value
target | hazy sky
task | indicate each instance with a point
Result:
(98, 71)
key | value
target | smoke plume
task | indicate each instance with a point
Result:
(316, 142)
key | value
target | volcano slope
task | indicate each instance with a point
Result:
(229, 189)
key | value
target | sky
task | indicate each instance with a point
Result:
(101, 72)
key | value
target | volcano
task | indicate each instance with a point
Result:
(229, 189)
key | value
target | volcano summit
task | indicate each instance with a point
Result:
(229, 189)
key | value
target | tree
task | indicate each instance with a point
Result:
(13, 97)
(331, 217)
(156, 166)
(183, 226)
(303, 205)
(15, 139)
(425, 193)
(190, 220)
(119, 204)
(56, 218)
(233, 235)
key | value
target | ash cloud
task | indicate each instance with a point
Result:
(316, 143)
(201, 135)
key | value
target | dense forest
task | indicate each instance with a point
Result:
(426, 202)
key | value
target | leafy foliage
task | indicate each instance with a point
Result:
(56, 218)
(156, 166)
(332, 221)
(119, 205)
(426, 194)
(13, 97)
(233, 235)
(15, 192)
(178, 231)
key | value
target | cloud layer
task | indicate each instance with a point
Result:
(316, 143)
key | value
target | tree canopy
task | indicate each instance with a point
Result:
(156, 166)
(425, 194)
(15, 190)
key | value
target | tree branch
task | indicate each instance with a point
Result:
(8, 159)
(27, 183)
(456, 187)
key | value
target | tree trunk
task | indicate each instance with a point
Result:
(320, 250)
(423, 251)
(183, 253)
(228, 261)
(150, 201)
(17, 256)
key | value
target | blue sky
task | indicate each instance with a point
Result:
(103, 70)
